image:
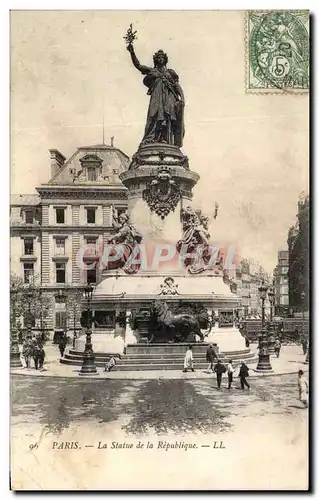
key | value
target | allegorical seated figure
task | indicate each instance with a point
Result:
(195, 227)
(165, 118)
(126, 232)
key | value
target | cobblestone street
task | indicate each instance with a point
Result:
(159, 405)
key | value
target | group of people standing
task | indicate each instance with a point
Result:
(219, 368)
(33, 350)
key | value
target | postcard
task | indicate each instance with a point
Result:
(159, 239)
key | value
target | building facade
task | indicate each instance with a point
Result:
(67, 223)
(281, 283)
(298, 247)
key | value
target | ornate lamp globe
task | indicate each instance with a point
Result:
(263, 291)
(88, 292)
(271, 294)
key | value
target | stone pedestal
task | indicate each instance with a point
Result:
(103, 342)
(159, 184)
(227, 339)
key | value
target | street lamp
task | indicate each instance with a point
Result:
(30, 321)
(264, 360)
(271, 329)
(88, 366)
(303, 296)
(15, 358)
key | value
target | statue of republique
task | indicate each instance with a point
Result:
(165, 117)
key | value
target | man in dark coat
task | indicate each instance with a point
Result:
(62, 345)
(219, 370)
(41, 356)
(210, 356)
(243, 374)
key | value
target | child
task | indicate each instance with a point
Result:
(230, 371)
(277, 347)
(303, 388)
(188, 360)
(110, 364)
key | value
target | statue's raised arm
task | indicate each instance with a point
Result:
(143, 69)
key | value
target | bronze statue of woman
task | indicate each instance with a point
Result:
(165, 117)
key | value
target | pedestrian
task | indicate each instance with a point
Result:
(247, 343)
(41, 356)
(219, 370)
(304, 343)
(243, 374)
(303, 388)
(62, 345)
(110, 364)
(230, 372)
(26, 351)
(277, 347)
(210, 356)
(36, 355)
(188, 360)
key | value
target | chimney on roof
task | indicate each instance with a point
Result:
(57, 161)
(112, 141)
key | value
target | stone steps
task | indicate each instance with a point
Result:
(158, 357)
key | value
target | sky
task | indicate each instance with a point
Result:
(69, 68)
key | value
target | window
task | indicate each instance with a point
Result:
(28, 272)
(284, 300)
(91, 275)
(90, 215)
(91, 241)
(28, 216)
(90, 247)
(104, 319)
(28, 246)
(92, 174)
(60, 215)
(60, 246)
(60, 319)
(60, 272)
(60, 312)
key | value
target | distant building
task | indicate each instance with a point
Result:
(298, 245)
(248, 278)
(281, 284)
(73, 210)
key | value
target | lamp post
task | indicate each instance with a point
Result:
(271, 329)
(303, 296)
(88, 366)
(15, 358)
(30, 322)
(264, 360)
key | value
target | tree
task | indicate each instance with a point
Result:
(30, 302)
(74, 299)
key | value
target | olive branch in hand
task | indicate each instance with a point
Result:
(130, 36)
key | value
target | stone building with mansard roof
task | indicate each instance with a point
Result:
(73, 210)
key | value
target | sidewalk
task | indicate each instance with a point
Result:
(290, 361)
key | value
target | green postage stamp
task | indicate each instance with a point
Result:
(277, 51)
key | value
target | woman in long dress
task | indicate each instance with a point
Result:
(188, 360)
(165, 120)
